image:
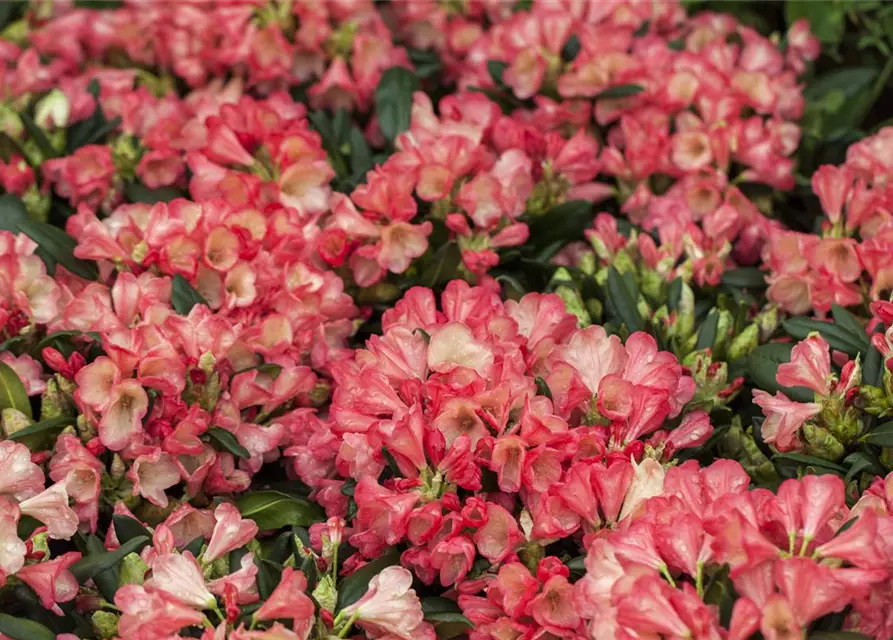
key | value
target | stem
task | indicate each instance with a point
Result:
(699, 580)
(666, 574)
(806, 541)
(349, 624)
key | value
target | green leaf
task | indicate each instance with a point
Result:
(624, 301)
(23, 629)
(745, 278)
(223, 440)
(810, 461)
(542, 388)
(393, 101)
(360, 154)
(620, 91)
(194, 546)
(837, 337)
(39, 137)
(184, 296)
(847, 321)
(849, 80)
(274, 509)
(354, 586)
(881, 435)
(707, 332)
(571, 48)
(674, 294)
(43, 427)
(837, 635)
(859, 462)
(443, 265)
(433, 605)
(497, 68)
(126, 528)
(762, 367)
(826, 19)
(426, 63)
(54, 245)
(269, 368)
(87, 567)
(873, 367)
(562, 224)
(106, 579)
(12, 391)
(136, 192)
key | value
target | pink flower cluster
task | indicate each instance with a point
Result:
(849, 262)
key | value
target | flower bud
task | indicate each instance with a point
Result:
(723, 328)
(820, 443)
(105, 623)
(595, 308)
(37, 203)
(13, 421)
(574, 304)
(53, 110)
(86, 429)
(744, 342)
(886, 458)
(326, 594)
(132, 570)
(874, 401)
(738, 444)
(10, 123)
(768, 322)
(685, 313)
(53, 403)
(652, 284)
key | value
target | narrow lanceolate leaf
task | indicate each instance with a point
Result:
(762, 368)
(184, 296)
(838, 337)
(89, 566)
(43, 427)
(393, 101)
(223, 440)
(881, 435)
(23, 629)
(273, 509)
(621, 91)
(624, 301)
(848, 322)
(12, 391)
(356, 584)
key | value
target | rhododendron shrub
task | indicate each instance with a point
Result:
(428, 320)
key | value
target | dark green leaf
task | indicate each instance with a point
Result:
(571, 48)
(745, 278)
(223, 440)
(674, 294)
(39, 137)
(393, 101)
(496, 68)
(356, 584)
(43, 427)
(273, 509)
(99, 4)
(12, 391)
(676, 45)
(60, 338)
(443, 266)
(106, 579)
(184, 296)
(620, 91)
(432, 605)
(542, 388)
(837, 337)
(859, 462)
(23, 629)
(127, 528)
(54, 245)
(826, 19)
(707, 332)
(847, 321)
(837, 635)
(562, 224)
(624, 301)
(849, 80)
(89, 566)
(425, 62)
(881, 435)
(809, 461)
(512, 282)
(137, 192)
(577, 564)
(194, 546)
(360, 154)
(873, 367)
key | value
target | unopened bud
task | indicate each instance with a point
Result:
(105, 624)
(53, 110)
(326, 594)
(744, 342)
(13, 421)
(132, 570)
(820, 443)
(574, 304)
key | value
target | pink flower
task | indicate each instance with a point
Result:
(401, 242)
(12, 549)
(51, 508)
(810, 366)
(390, 606)
(288, 600)
(784, 417)
(19, 477)
(127, 406)
(454, 345)
(148, 614)
(231, 531)
(151, 474)
(28, 370)
(181, 578)
(52, 580)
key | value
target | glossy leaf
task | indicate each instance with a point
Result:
(273, 510)
(43, 427)
(23, 629)
(393, 101)
(89, 566)
(224, 440)
(620, 91)
(184, 296)
(12, 391)
(356, 584)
